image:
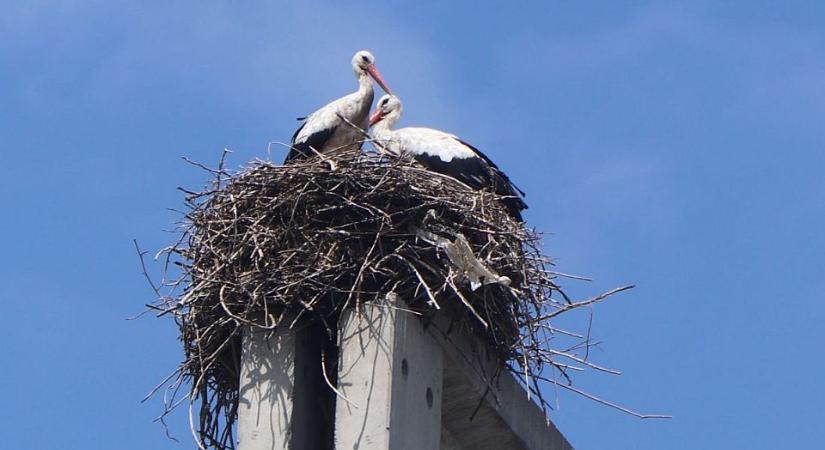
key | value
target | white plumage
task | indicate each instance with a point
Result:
(443, 153)
(325, 130)
(425, 140)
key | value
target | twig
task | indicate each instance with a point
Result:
(585, 302)
(611, 404)
(303, 241)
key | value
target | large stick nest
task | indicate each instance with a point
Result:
(273, 246)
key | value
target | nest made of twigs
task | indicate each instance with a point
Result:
(270, 246)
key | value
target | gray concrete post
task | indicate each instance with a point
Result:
(284, 401)
(390, 374)
(266, 390)
(401, 386)
(483, 407)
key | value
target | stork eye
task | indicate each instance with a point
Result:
(365, 58)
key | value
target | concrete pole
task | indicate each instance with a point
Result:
(483, 408)
(390, 374)
(284, 400)
(401, 386)
(266, 390)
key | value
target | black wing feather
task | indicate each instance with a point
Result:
(315, 140)
(493, 165)
(478, 173)
(502, 185)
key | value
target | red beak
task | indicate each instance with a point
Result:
(376, 75)
(376, 116)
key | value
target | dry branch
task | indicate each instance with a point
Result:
(306, 240)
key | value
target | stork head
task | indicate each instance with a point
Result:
(364, 63)
(388, 109)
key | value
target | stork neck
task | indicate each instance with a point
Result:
(364, 83)
(386, 124)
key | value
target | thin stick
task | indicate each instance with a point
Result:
(329, 383)
(586, 302)
(611, 404)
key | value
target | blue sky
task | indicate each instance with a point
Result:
(678, 147)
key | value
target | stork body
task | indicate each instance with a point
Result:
(327, 129)
(444, 153)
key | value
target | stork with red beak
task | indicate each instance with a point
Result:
(444, 153)
(327, 129)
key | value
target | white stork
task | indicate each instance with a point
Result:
(444, 153)
(325, 130)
